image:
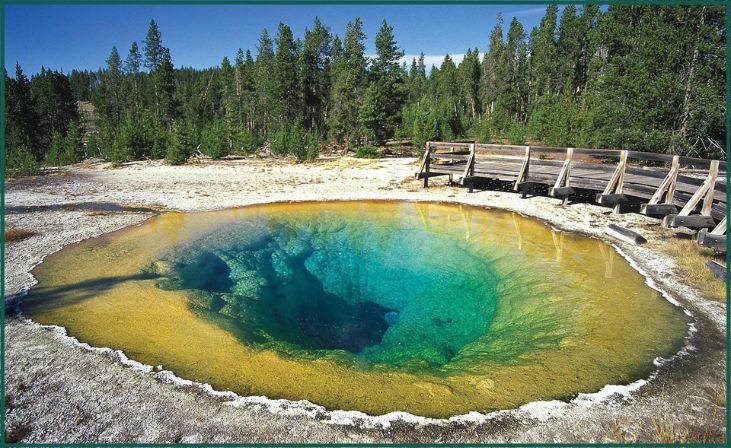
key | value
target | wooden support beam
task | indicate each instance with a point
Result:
(718, 269)
(561, 192)
(658, 210)
(610, 199)
(562, 187)
(469, 182)
(720, 229)
(708, 239)
(425, 157)
(616, 182)
(523, 174)
(667, 187)
(432, 174)
(689, 221)
(564, 175)
(708, 200)
(526, 187)
(612, 194)
(469, 170)
(708, 185)
(427, 162)
(624, 234)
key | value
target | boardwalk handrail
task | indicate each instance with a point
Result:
(686, 162)
(686, 191)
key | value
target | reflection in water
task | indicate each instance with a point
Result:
(608, 256)
(466, 217)
(518, 233)
(557, 237)
(432, 309)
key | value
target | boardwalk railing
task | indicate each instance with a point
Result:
(684, 191)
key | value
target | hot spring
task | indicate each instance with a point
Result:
(432, 309)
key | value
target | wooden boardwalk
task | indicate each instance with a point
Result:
(683, 191)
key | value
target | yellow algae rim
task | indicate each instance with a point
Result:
(287, 404)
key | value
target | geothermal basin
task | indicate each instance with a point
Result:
(432, 309)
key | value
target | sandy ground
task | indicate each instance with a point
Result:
(57, 390)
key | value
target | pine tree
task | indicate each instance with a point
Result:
(316, 58)
(21, 117)
(568, 50)
(511, 68)
(165, 80)
(248, 96)
(73, 147)
(386, 75)
(263, 82)
(55, 155)
(349, 86)
(180, 143)
(587, 43)
(632, 77)
(543, 55)
(372, 114)
(214, 140)
(489, 80)
(113, 89)
(132, 67)
(469, 84)
(153, 47)
(54, 104)
(425, 127)
(159, 64)
(285, 79)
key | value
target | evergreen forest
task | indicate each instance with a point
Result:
(646, 78)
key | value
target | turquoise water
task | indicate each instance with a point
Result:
(433, 309)
(302, 286)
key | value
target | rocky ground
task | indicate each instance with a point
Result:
(57, 390)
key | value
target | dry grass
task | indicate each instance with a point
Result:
(667, 432)
(616, 433)
(691, 259)
(703, 434)
(717, 395)
(13, 235)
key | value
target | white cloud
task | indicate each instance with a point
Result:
(527, 12)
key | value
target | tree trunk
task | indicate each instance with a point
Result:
(685, 117)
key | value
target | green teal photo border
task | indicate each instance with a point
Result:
(726, 3)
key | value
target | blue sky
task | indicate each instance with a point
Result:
(81, 36)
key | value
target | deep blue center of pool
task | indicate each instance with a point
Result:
(397, 296)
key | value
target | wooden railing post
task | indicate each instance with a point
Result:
(523, 174)
(469, 169)
(672, 178)
(708, 200)
(613, 192)
(705, 192)
(564, 176)
(562, 187)
(666, 189)
(427, 163)
(617, 179)
(707, 186)
(473, 150)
